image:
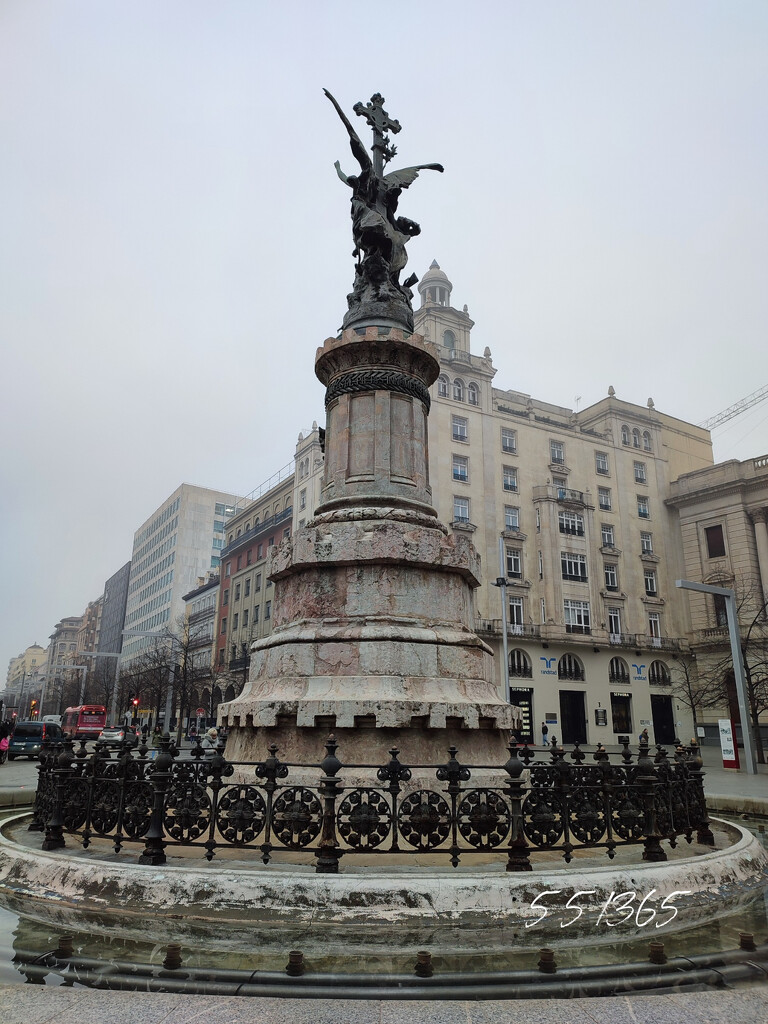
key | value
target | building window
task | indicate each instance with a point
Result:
(601, 463)
(625, 439)
(237, 591)
(510, 478)
(614, 624)
(640, 476)
(618, 671)
(571, 522)
(268, 610)
(256, 611)
(511, 517)
(249, 556)
(459, 428)
(458, 390)
(247, 587)
(607, 536)
(519, 665)
(721, 614)
(228, 571)
(460, 510)
(569, 667)
(514, 563)
(239, 561)
(646, 441)
(643, 508)
(646, 543)
(635, 438)
(460, 468)
(235, 620)
(260, 551)
(574, 567)
(516, 614)
(650, 582)
(225, 599)
(541, 566)
(654, 628)
(658, 673)
(577, 616)
(557, 452)
(257, 582)
(442, 386)
(621, 712)
(473, 395)
(611, 577)
(245, 617)
(715, 542)
(509, 440)
(224, 624)
(604, 499)
(303, 498)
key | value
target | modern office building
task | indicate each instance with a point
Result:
(113, 619)
(179, 542)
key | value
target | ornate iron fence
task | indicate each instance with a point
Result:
(558, 804)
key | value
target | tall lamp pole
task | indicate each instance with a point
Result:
(501, 583)
(738, 663)
(107, 654)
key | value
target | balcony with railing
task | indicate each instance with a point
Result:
(256, 531)
(492, 627)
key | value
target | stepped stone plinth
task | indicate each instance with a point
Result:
(373, 610)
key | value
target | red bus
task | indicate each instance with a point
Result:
(84, 722)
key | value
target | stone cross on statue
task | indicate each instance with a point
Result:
(380, 121)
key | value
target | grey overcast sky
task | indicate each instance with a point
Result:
(174, 241)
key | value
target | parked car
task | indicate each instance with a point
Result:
(27, 738)
(115, 735)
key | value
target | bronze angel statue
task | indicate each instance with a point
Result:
(380, 236)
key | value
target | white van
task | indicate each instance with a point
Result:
(52, 719)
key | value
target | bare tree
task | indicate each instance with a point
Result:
(694, 690)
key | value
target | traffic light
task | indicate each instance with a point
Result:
(135, 702)
(32, 708)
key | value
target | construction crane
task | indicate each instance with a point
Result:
(736, 409)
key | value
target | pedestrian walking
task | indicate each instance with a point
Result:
(544, 734)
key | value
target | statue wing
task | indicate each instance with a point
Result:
(407, 175)
(359, 152)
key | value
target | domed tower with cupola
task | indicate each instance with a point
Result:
(436, 318)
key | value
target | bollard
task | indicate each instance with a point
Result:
(172, 960)
(656, 953)
(423, 965)
(295, 966)
(546, 962)
(747, 942)
(66, 947)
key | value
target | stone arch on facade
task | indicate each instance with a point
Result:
(658, 672)
(618, 670)
(458, 390)
(570, 666)
(519, 665)
(473, 393)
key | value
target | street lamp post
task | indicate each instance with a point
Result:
(107, 654)
(738, 663)
(501, 583)
(173, 640)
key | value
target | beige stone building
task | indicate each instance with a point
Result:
(272, 512)
(723, 515)
(25, 676)
(568, 508)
